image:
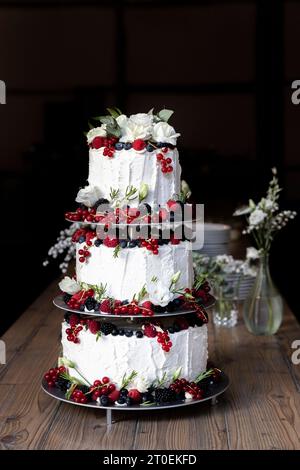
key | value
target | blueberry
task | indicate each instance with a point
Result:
(132, 243)
(139, 334)
(147, 397)
(125, 302)
(123, 243)
(159, 308)
(123, 392)
(81, 240)
(160, 242)
(176, 327)
(121, 332)
(171, 329)
(128, 333)
(104, 400)
(115, 332)
(119, 146)
(177, 302)
(149, 148)
(127, 146)
(129, 401)
(98, 242)
(121, 401)
(160, 145)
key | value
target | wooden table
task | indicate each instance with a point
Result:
(260, 410)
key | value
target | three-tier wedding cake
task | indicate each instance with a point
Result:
(133, 340)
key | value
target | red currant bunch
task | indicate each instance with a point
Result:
(164, 340)
(109, 148)
(79, 397)
(151, 245)
(52, 375)
(72, 334)
(165, 163)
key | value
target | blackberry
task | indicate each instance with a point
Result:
(129, 401)
(176, 327)
(171, 307)
(104, 400)
(62, 384)
(67, 316)
(107, 328)
(82, 307)
(164, 395)
(128, 333)
(90, 303)
(98, 242)
(139, 334)
(123, 392)
(115, 332)
(66, 298)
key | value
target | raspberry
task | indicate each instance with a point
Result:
(94, 326)
(147, 305)
(105, 306)
(114, 396)
(135, 395)
(138, 144)
(97, 142)
(110, 242)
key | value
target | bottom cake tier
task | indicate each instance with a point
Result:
(149, 351)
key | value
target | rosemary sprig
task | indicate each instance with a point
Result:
(140, 295)
(161, 381)
(148, 403)
(70, 378)
(131, 193)
(70, 391)
(126, 380)
(114, 194)
(204, 375)
(176, 374)
(117, 251)
(154, 279)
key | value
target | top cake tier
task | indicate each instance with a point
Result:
(139, 169)
(132, 159)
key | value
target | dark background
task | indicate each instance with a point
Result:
(225, 67)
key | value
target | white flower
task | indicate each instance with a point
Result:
(88, 195)
(163, 132)
(269, 204)
(69, 285)
(140, 384)
(159, 293)
(96, 132)
(257, 217)
(137, 126)
(252, 253)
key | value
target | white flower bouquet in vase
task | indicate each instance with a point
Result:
(263, 307)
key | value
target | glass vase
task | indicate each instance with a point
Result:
(225, 310)
(263, 307)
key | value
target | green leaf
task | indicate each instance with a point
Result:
(70, 391)
(143, 191)
(114, 112)
(176, 374)
(175, 278)
(117, 251)
(108, 120)
(154, 279)
(165, 114)
(98, 335)
(161, 381)
(148, 403)
(126, 380)
(114, 193)
(203, 375)
(143, 292)
(113, 129)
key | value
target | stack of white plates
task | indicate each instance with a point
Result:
(240, 285)
(216, 239)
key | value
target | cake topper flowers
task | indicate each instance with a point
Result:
(264, 219)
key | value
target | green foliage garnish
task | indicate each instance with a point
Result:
(114, 194)
(126, 380)
(203, 375)
(176, 374)
(117, 251)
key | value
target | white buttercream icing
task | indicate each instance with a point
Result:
(136, 267)
(129, 167)
(114, 356)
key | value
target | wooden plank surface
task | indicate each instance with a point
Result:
(260, 410)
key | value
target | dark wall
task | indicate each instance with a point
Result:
(225, 67)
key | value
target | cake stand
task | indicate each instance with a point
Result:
(215, 390)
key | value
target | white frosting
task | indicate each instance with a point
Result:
(129, 167)
(114, 356)
(125, 275)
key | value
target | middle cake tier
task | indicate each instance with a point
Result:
(134, 269)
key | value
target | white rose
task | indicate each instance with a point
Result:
(257, 217)
(252, 253)
(96, 132)
(137, 126)
(140, 384)
(163, 132)
(159, 294)
(69, 285)
(269, 204)
(88, 195)
(122, 120)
